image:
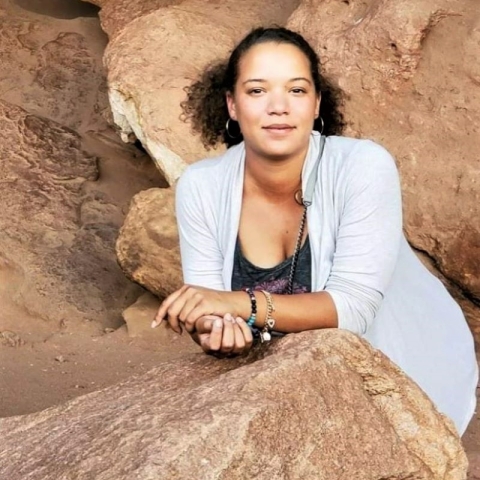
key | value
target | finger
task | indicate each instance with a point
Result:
(228, 337)
(162, 311)
(172, 318)
(185, 315)
(198, 312)
(239, 340)
(173, 311)
(216, 334)
(204, 324)
(205, 342)
(246, 331)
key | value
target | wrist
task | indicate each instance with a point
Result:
(239, 304)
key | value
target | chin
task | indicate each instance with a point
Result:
(280, 149)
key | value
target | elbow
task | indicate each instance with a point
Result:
(355, 313)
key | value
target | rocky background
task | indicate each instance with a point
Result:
(76, 79)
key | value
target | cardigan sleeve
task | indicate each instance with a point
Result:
(368, 235)
(202, 259)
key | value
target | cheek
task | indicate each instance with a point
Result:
(250, 110)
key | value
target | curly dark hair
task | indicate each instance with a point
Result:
(206, 105)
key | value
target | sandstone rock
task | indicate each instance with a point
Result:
(54, 67)
(138, 318)
(411, 81)
(156, 55)
(52, 262)
(147, 246)
(314, 405)
(116, 14)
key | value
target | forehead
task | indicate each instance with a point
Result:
(271, 59)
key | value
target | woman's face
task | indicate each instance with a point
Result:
(274, 101)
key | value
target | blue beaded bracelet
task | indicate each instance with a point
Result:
(253, 301)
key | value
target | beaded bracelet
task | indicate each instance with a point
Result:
(253, 301)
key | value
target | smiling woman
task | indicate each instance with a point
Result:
(296, 229)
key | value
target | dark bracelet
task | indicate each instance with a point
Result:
(253, 301)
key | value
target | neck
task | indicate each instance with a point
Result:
(275, 179)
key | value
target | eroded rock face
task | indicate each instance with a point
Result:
(51, 74)
(413, 85)
(116, 14)
(317, 405)
(56, 262)
(147, 246)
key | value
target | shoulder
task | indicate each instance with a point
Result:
(356, 155)
(209, 171)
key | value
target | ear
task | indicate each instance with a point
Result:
(232, 111)
(317, 105)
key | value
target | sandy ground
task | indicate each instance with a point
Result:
(47, 364)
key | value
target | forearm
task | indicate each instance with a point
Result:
(293, 313)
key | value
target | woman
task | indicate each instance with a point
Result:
(287, 231)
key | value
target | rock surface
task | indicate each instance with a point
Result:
(317, 405)
(56, 255)
(147, 246)
(412, 78)
(53, 72)
(138, 318)
(116, 14)
(58, 222)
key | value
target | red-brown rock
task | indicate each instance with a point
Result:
(313, 405)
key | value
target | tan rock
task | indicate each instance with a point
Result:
(116, 14)
(314, 405)
(53, 67)
(138, 318)
(147, 246)
(53, 264)
(412, 84)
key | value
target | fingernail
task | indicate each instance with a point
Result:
(228, 317)
(240, 320)
(154, 324)
(217, 323)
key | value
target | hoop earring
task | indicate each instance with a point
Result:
(228, 132)
(323, 125)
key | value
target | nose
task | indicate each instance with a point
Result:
(278, 103)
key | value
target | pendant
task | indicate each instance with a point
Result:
(265, 336)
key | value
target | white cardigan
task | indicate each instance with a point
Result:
(359, 256)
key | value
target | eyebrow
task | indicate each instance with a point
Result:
(261, 80)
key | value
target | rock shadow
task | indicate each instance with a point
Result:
(65, 10)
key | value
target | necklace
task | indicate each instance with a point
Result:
(298, 245)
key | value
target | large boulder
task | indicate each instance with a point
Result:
(155, 56)
(412, 79)
(313, 405)
(147, 246)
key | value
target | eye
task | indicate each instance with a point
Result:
(298, 90)
(255, 91)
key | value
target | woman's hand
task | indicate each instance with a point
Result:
(227, 335)
(188, 304)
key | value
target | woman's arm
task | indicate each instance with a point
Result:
(202, 260)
